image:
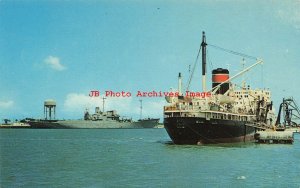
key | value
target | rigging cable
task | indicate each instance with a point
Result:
(219, 48)
(209, 61)
(193, 70)
(233, 52)
(262, 76)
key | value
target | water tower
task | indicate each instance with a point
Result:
(49, 109)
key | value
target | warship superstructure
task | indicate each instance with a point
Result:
(226, 113)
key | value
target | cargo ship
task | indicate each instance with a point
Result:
(99, 120)
(225, 113)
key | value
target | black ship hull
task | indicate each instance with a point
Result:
(193, 130)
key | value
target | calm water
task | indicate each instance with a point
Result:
(139, 158)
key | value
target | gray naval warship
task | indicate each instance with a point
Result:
(98, 120)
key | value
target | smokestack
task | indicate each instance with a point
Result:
(219, 76)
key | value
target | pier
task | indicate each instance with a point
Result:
(274, 137)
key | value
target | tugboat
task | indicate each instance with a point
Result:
(223, 114)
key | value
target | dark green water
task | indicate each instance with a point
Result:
(139, 158)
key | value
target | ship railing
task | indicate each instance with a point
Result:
(182, 107)
(169, 108)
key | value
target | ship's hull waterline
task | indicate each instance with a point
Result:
(88, 124)
(192, 130)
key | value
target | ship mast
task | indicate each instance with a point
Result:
(103, 102)
(203, 45)
(141, 108)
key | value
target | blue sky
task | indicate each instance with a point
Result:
(63, 49)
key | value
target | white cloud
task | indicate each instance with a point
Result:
(54, 63)
(6, 104)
